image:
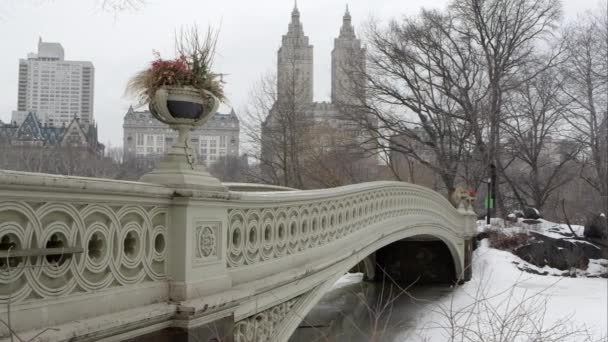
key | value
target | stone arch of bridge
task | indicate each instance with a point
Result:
(454, 243)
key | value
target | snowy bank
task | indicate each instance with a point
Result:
(570, 304)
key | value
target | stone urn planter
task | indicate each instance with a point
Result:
(183, 109)
(177, 106)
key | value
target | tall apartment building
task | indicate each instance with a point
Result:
(55, 89)
(147, 139)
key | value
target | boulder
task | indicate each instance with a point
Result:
(558, 253)
(596, 227)
(531, 214)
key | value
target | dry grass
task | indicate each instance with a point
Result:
(507, 241)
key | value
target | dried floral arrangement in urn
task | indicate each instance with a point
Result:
(182, 92)
(183, 88)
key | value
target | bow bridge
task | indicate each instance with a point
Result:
(103, 259)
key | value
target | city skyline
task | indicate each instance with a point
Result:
(122, 44)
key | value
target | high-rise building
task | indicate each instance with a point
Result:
(295, 63)
(295, 77)
(55, 89)
(297, 130)
(347, 65)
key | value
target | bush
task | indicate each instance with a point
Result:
(506, 241)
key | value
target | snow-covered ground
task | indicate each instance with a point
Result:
(572, 304)
(552, 229)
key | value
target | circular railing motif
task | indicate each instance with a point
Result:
(122, 244)
(281, 229)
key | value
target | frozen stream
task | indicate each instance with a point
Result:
(361, 312)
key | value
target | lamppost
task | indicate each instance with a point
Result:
(491, 195)
(488, 199)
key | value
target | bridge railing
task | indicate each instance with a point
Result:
(120, 228)
(265, 227)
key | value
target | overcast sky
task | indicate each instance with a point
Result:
(119, 45)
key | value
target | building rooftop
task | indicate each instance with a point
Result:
(32, 130)
(48, 51)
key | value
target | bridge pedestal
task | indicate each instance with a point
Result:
(197, 259)
(468, 258)
(179, 170)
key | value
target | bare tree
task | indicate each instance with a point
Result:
(121, 5)
(231, 169)
(57, 159)
(276, 129)
(509, 315)
(333, 162)
(586, 93)
(414, 106)
(292, 148)
(506, 35)
(539, 163)
(447, 73)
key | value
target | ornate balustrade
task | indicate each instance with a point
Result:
(120, 226)
(268, 226)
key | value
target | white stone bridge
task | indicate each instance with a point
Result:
(102, 259)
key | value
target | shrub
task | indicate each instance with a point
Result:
(507, 241)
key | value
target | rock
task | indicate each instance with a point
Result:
(512, 218)
(518, 213)
(542, 254)
(591, 250)
(597, 227)
(558, 253)
(531, 213)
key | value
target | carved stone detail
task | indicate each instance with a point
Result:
(261, 327)
(207, 241)
(123, 245)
